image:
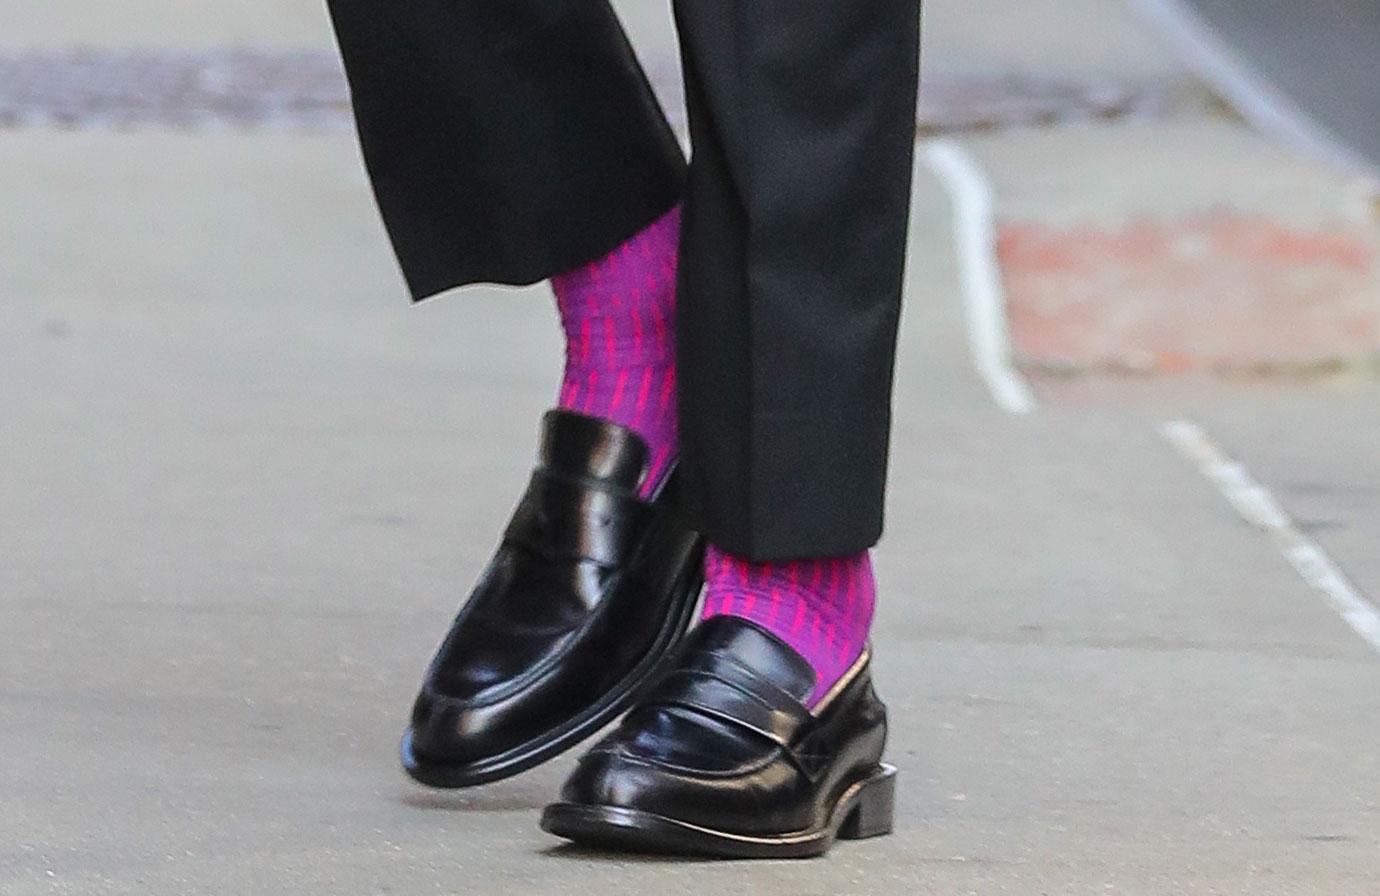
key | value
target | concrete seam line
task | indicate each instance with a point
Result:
(1258, 506)
(984, 299)
(1259, 101)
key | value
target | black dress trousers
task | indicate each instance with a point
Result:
(510, 140)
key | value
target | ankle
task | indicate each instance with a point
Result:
(618, 316)
(821, 607)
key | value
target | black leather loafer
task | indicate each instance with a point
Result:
(721, 758)
(588, 593)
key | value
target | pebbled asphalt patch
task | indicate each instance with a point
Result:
(95, 87)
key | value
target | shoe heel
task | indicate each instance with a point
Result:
(874, 808)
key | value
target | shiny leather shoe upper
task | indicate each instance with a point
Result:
(723, 745)
(589, 588)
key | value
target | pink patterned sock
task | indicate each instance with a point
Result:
(618, 317)
(822, 607)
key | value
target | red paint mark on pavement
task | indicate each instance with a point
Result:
(1212, 291)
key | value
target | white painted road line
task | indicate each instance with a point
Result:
(983, 297)
(1258, 507)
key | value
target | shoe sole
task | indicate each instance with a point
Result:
(619, 698)
(865, 809)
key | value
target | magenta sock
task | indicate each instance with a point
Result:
(822, 607)
(618, 317)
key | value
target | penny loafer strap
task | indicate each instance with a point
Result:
(570, 519)
(738, 699)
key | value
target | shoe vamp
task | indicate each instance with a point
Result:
(685, 739)
(700, 771)
(522, 616)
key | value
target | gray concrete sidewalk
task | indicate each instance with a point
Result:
(244, 487)
(241, 508)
